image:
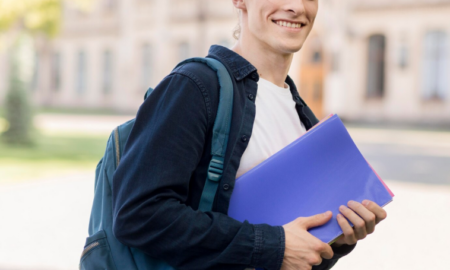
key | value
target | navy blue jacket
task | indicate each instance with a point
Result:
(158, 184)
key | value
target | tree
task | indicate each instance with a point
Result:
(23, 19)
(18, 110)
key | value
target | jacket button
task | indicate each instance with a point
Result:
(226, 187)
(251, 97)
(254, 76)
(244, 138)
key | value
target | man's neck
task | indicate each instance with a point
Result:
(271, 66)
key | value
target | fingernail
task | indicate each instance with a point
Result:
(352, 203)
(365, 203)
(342, 208)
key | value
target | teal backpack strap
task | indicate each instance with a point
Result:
(119, 142)
(221, 131)
(149, 91)
(117, 152)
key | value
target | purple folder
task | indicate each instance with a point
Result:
(319, 171)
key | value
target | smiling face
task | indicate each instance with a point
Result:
(278, 25)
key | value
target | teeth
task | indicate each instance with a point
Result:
(288, 24)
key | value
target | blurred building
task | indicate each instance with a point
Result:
(109, 56)
(384, 60)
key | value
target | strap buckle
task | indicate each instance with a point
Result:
(215, 169)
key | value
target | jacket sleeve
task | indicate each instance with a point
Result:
(151, 186)
(338, 253)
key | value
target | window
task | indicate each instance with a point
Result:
(56, 72)
(81, 83)
(376, 66)
(315, 44)
(107, 80)
(146, 69)
(435, 66)
(316, 57)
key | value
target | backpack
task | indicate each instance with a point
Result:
(102, 250)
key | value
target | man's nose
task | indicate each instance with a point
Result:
(296, 7)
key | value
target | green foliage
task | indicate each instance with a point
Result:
(76, 149)
(34, 15)
(19, 116)
(27, 17)
(18, 111)
(51, 156)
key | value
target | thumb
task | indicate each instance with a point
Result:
(316, 220)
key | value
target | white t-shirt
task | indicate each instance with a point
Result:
(276, 125)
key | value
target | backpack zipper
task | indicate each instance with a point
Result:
(89, 247)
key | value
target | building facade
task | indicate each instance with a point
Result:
(109, 56)
(365, 60)
(387, 60)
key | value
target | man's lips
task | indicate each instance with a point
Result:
(289, 24)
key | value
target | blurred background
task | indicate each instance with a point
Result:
(72, 70)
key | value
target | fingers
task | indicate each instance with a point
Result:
(380, 213)
(317, 260)
(320, 247)
(326, 251)
(359, 226)
(321, 250)
(364, 218)
(314, 260)
(315, 221)
(302, 249)
(365, 214)
(349, 234)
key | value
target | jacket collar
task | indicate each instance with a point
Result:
(294, 91)
(241, 68)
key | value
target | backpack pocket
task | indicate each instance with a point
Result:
(96, 253)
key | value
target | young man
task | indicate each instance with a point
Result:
(158, 184)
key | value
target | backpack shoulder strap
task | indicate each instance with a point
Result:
(120, 136)
(149, 91)
(221, 131)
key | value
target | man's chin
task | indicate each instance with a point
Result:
(291, 48)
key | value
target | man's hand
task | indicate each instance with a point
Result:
(303, 250)
(364, 218)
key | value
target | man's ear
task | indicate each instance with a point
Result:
(240, 4)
